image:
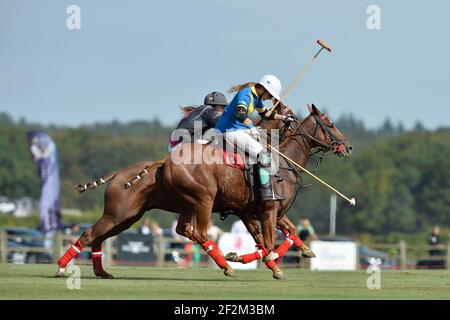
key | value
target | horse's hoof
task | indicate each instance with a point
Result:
(308, 254)
(60, 273)
(104, 275)
(279, 275)
(229, 272)
(233, 257)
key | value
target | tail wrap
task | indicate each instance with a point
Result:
(133, 180)
(94, 184)
(146, 170)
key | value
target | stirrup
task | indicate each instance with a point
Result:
(267, 193)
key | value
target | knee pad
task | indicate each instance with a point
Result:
(264, 176)
(264, 159)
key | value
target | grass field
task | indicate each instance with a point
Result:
(37, 282)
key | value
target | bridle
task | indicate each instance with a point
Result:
(336, 145)
(323, 147)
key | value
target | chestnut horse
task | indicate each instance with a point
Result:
(122, 209)
(203, 187)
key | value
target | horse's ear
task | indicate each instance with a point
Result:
(315, 110)
(309, 108)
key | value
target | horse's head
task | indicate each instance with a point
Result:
(327, 138)
(323, 134)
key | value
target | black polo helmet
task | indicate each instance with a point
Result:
(216, 99)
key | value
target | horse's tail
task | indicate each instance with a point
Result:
(146, 170)
(94, 184)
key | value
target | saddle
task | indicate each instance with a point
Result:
(235, 158)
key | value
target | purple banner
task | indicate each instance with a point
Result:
(45, 156)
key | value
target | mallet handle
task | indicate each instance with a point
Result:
(300, 74)
(352, 201)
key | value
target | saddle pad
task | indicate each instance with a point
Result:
(233, 159)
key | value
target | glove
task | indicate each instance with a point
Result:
(288, 119)
(254, 133)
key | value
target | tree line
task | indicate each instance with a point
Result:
(400, 178)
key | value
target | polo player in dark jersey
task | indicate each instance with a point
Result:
(197, 120)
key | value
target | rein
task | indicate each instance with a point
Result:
(323, 147)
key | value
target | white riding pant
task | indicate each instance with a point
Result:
(245, 143)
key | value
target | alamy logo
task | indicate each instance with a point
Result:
(73, 22)
(74, 280)
(374, 280)
(211, 153)
(374, 19)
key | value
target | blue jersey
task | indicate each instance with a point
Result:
(246, 98)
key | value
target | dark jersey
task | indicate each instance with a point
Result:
(205, 115)
(435, 241)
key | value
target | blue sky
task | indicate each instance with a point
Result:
(136, 60)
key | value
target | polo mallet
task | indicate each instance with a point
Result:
(323, 45)
(352, 201)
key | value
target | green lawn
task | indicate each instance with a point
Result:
(37, 282)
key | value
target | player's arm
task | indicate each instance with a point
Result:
(241, 109)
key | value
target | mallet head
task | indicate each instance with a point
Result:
(352, 202)
(324, 45)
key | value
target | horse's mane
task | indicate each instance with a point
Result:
(279, 108)
(187, 109)
(294, 132)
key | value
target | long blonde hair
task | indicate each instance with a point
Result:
(239, 87)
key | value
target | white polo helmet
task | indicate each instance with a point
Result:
(271, 84)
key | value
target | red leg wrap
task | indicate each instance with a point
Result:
(211, 248)
(97, 261)
(284, 247)
(297, 241)
(271, 264)
(261, 253)
(73, 251)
